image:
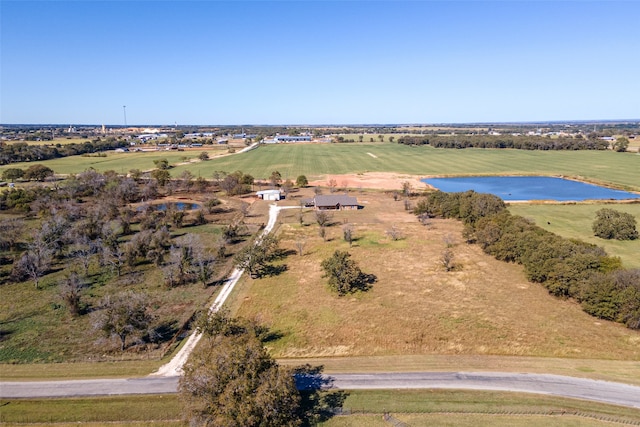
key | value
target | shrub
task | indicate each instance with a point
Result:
(612, 224)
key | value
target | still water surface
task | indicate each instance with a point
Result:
(512, 188)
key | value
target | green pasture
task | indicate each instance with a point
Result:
(121, 163)
(314, 160)
(575, 220)
(416, 407)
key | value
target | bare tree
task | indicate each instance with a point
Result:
(407, 205)
(70, 292)
(300, 244)
(115, 257)
(447, 259)
(301, 215)
(323, 218)
(244, 209)
(202, 262)
(34, 262)
(83, 250)
(449, 240)
(394, 233)
(333, 184)
(407, 188)
(123, 315)
(322, 232)
(347, 233)
(424, 219)
(10, 232)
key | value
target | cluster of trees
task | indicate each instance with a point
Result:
(612, 224)
(33, 173)
(230, 379)
(233, 183)
(86, 225)
(566, 267)
(23, 152)
(522, 142)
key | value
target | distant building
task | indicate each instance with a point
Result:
(269, 194)
(288, 138)
(332, 202)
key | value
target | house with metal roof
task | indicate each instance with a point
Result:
(335, 202)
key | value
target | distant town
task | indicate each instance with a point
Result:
(175, 137)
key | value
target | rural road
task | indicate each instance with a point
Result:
(555, 385)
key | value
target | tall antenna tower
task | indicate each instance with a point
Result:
(124, 109)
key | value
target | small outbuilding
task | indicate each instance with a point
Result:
(269, 194)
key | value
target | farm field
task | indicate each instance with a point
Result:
(575, 220)
(485, 307)
(317, 160)
(122, 163)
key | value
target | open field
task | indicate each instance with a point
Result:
(575, 220)
(317, 160)
(486, 307)
(416, 407)
(122, 163)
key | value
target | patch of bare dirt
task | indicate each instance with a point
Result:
(378, 180)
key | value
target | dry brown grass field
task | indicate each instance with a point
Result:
(484, 307)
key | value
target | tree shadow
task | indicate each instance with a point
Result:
(270, 336)
(272, 270)
(163, 332)
(318, 403)
(282, 254)
(365, 282)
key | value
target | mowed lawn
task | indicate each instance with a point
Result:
(485, 307)
(575, 221)
(315, 160)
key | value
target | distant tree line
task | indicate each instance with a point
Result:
(23, 152)
(566, 267)
(522, 142)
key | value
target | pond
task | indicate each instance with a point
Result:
(514, 188)
(181, 206)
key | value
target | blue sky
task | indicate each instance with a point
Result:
(306, 62)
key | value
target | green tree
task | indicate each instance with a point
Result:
(38, 173)
(302, 181)
(344, 274)
(612, 224)
(12, 174)
(256, 256)
(275, 178)
(203, 156)
(621, 144)
(162, 164)
(162, 176)
(230, 380)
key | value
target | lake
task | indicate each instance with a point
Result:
(514, 188)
